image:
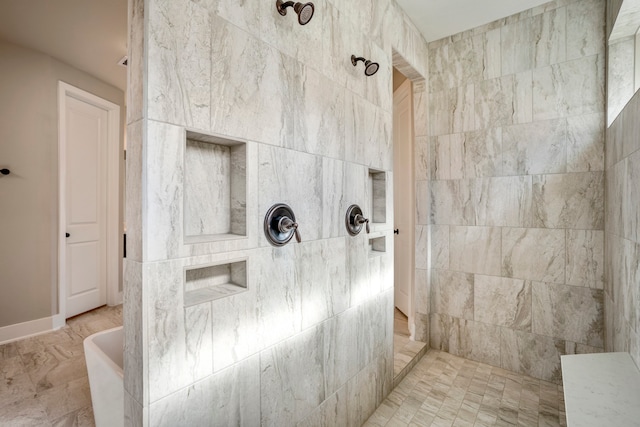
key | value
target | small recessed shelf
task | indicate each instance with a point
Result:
(212, 282)
(215, 188)
(377, 246)
(378, 191)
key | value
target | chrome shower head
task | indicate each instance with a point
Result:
(303, 10)
(370, 68)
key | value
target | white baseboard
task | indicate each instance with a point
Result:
(27, 329)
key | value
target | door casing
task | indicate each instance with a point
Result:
(114, 296)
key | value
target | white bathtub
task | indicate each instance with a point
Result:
(104, 355)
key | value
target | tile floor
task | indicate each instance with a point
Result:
(446, 390)
(43, 379)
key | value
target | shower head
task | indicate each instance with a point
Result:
(370, 68)
(303, 10)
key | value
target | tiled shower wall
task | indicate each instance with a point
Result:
(310, 339)
(622, 233)
(622, 219)
(517, 188)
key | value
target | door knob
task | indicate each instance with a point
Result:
(67, 235)
(396, 231)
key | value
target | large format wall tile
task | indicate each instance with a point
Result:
(294, 178)
(250, 87)
(533, 254)
(482, 153)
(585, 143)
(534, 148)
(517, 42)
(535, 355)
(585, 258)
(569, 89)
(503, 302)
(494, 102)
(292, 378)
(568, 312)
(549, 29)
(227, 398)
(502, 201)
(439, 246)
(179, 69)
(452, 293)
(466, 338)
(569, 201)
(320, 276)
(585, 28)
(180, 339)
(319, 117)
(475, 250)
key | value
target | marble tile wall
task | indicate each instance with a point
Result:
(314, 327)
(622, 233)
(516, 188)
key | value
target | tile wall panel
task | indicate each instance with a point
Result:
(517, 194)
(313, 126)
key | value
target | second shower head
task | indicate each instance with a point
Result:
(370, 68)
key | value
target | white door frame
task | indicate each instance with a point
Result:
(114, 296)
(407, 86)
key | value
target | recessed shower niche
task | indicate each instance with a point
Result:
(378, 189)
(377, 246)
(212, 282)
(215, 188)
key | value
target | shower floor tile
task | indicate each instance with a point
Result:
(446, 390)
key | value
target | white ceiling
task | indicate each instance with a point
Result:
(88, 34)
(441, 18)
(92, 34)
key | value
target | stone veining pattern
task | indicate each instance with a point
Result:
(312, 334)
(516, 190)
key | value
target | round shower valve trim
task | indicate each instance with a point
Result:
(280, 225)
(354, 219)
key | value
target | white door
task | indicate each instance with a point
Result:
(403, 195)
(86, 138)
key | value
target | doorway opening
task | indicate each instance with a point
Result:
(89, 185)
(410, 342)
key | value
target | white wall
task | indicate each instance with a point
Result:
(28, 196)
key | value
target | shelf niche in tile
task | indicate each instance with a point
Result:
(378, 191)
(377, 246)
(215, 188)
(209, 283)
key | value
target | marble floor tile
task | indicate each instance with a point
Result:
(43, 379)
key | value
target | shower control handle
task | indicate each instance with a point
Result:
(286, 224)
(359, 219)
(280, 225)
(354, 219)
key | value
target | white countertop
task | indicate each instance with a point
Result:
(601, 389)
